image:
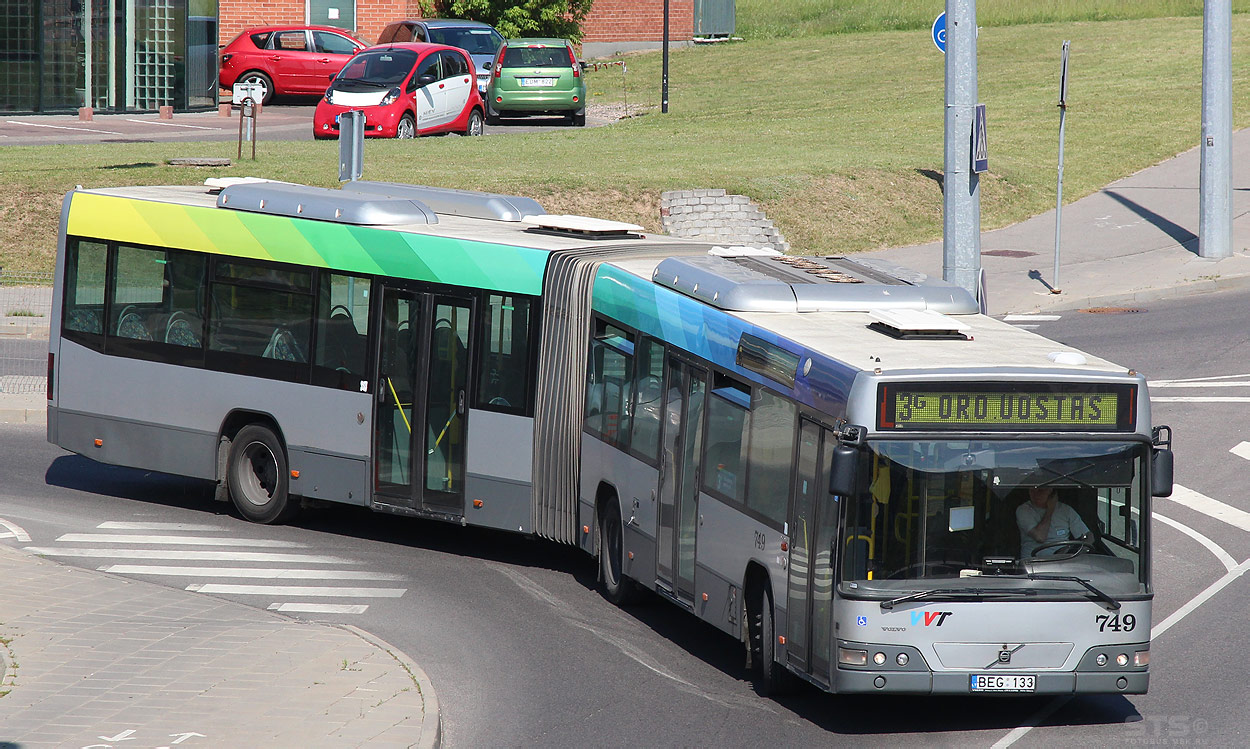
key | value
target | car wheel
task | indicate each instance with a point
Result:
(264, 81)
(407, 128)
(256, 473)
(475, 123)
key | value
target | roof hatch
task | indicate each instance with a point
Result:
(582, 227)
(450, 202)
(301, 201)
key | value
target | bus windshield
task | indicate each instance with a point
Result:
(976, 514)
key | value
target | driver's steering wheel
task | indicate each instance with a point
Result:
(1080, 546)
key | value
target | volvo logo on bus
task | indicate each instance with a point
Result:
(1004, 656)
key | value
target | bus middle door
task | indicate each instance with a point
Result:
(813, 532)
(680, 456)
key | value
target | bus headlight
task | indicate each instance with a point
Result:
(1121, 660)
(848, 657)
(1141, 658)
(902, 659)
(1101, 660)
(879, 659)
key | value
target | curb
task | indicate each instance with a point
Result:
(431, 735)
(1192, 288)
(23, 416)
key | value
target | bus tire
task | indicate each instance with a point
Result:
(771, 678)
(258, 477)
(616, 586)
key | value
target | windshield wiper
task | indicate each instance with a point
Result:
(1113, 604)
(955, 593)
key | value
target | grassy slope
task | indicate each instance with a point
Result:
(840, 142)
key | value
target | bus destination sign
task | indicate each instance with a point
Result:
(998, 406)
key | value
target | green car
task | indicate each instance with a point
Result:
(536, 76)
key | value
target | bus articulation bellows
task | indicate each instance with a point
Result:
(838, 461)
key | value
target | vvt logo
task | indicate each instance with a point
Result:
(934, 618)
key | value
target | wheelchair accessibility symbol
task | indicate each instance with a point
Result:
(861, 621)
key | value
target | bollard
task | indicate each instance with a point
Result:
(85, 114)
(224, 110)
(167, 112)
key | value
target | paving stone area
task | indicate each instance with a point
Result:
(713, 216)
(90, 656)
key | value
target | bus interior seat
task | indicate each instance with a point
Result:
(283, 346)
(85, 319)
(130, 324)
(183, 330)
(725, 461)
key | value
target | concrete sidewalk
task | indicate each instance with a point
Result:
(90, 659)
(1132, 242)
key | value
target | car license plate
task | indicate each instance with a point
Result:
(1003, 683)
(538, 81)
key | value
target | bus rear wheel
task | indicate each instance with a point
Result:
(617, 588)
(258, 478)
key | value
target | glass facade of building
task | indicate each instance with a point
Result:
(112, 55)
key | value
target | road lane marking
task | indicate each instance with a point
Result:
(117, 538)
(14, 531)
(297, 590)
(1031, 318)
(172, 124)
(1177, 384)
(1213, 507)
(62, 127)
(1242, 450)
(319, 608)
(117, 525)
(1225, 558)
(265, 573)
(187, 556)
(1202, 399)
(1193, 380)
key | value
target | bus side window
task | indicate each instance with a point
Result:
(608, 384)
(84, 287)
(342, 331)
(728, 416)
(773, 420)
(504, 374)
(649, 395)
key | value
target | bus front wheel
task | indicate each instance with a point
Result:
(258, 477)
(771, 677)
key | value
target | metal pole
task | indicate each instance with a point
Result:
(664, 81)
(961, 192)
(1055, 288)
(1215, 197)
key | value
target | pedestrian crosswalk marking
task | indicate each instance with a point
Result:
(189, 556)
(116, 525)
(118, 538)
(297, 590)
(319, 608)
(266, 573)
(1212, 507)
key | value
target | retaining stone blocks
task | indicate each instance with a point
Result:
(712, 215)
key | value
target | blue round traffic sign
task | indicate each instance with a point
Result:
(939, 32)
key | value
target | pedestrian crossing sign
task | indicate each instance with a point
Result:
(980, 148)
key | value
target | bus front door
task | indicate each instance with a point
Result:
(679, 478)
(813, 530)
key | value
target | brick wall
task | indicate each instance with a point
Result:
(638, 21)
(371, 15)
(608, 20)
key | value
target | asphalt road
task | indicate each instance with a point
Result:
(522, 650)
(288, 119)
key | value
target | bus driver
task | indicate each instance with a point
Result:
(1044, 519)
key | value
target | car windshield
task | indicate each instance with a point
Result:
(935, 514)
(536, 57)
(474, 41)
(387, 67)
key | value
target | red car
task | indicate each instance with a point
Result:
(405, 90)
(287, 59)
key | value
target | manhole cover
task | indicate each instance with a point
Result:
(1009, 253)
(1112, 310)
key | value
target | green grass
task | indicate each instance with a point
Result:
(766, 19)
(838, 138)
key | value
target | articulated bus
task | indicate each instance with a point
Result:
(839, 462)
